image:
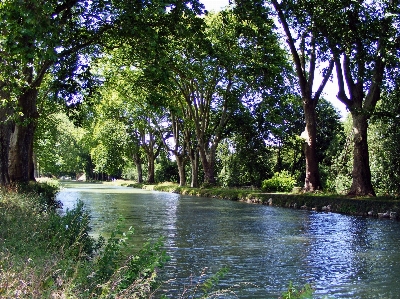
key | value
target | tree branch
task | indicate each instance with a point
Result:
(339, 73)
(293, 50)
(311, 71)
(375, 91)
(324, 80)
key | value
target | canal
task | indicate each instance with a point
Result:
(265, 248)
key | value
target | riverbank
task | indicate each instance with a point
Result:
(48, 254)
(381, 207)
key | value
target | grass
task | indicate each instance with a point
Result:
(44, 254)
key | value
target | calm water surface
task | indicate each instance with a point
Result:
(264, 247)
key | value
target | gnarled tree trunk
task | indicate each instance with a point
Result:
(180, 161)
(361, 174)
(21, 144)
(312, 180)
(6, 126)
(208, 162)
(150, 168)
(139, 169)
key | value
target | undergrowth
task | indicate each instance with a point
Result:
(46, 254)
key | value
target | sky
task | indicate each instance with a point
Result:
(330, 90)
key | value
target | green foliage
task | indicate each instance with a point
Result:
(71, 232)
(144, 264)
(330, 132)
(60, 147)
(243, 159)
(45, 254)
(280, 182)
(109, 143)
(212, 281)
(384, 135)
(293, 293)
(166, 170)
(44, 192)
(337, 173)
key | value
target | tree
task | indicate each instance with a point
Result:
(59, 146)
(232, 63)
(243, 159)
(38, 37)
(280, 121)
(364, 38)
(108, 152)
(124, 99)
(179, 145)
(306, 54)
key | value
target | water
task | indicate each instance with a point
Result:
(264, 247)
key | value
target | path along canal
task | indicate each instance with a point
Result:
(264, 247)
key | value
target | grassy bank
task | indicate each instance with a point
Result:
(48, 254)
(384, 207)
(44, 254)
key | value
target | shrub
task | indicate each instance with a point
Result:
(280, 182)
(71, 232)
(293, 293)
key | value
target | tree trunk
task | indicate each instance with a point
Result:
(180, 161)
(31, 169)
(5, 134)
(21, 145)
(194, 163)
(150, 175)
(361, 184)
(139, 169)
(312, 180)
(208, 162)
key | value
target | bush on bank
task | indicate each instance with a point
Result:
(45, 254)
(280, 182)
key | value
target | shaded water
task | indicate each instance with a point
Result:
(264, 247)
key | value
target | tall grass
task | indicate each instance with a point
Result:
(45, 254)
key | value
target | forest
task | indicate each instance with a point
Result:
(166, 91)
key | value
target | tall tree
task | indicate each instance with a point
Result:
(231, 63)
(365, 39)
(59, 146)
(307, 51)
(37, 37)
(128, 102)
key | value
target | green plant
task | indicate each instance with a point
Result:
(280, 182)
(143, 266)
(44, 192)
(293, 293)
(206, 286)
(71, 232)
